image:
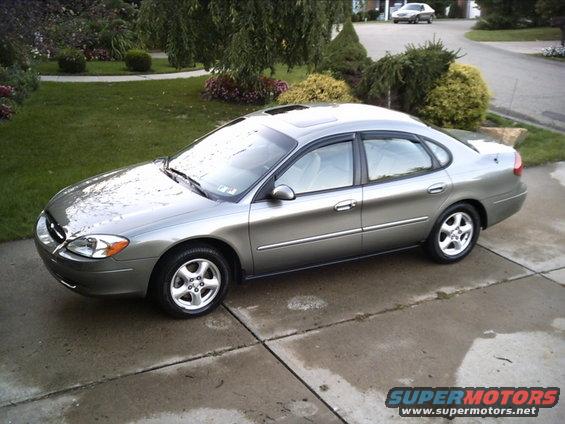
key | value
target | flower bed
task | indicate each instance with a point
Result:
(224, 87)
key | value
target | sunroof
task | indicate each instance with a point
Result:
(284, 109)
(314, 116)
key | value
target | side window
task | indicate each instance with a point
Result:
(321, 169)
(390, 157)
(439, 152)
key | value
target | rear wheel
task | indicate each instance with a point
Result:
(431, 19)
(454, 235)
(192, 282)
(395, 22)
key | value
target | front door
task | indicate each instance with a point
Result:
(322, 223)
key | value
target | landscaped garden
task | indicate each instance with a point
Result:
(63, 133)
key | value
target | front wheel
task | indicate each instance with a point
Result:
(454, 234)
(417, 20)
(431, 19)
(192, 282)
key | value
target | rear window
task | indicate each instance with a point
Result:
(461, 136)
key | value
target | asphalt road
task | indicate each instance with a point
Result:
(526, 87)
(318, 346)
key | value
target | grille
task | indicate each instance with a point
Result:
(54, 229)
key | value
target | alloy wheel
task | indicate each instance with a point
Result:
(456, 233)
(195, 284)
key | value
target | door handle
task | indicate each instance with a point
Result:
(437, 188)
(345, 205)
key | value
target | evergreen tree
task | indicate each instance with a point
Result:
(345, 57)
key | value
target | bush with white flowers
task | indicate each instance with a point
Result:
(553, 51)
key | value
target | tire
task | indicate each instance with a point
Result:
(201, 272)
(395, 22)
(438, 245)
(430, 20)
(417, 20)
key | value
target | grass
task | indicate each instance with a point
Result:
(525, 34)
(67, 132)
(559, 59)
(97, 68)
(540, 146)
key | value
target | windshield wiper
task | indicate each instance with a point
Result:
(195, 184)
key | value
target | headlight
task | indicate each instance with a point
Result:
(98, 246)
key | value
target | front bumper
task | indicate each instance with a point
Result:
(93, 277)
(403, 18)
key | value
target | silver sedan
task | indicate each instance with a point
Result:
(281, 189)
(414, 13)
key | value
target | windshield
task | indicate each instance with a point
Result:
(230, 160)
(413, 6)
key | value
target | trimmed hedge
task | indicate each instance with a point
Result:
(459, 100)
(138, 60)
(72, 61)
(345, 57)
(317, 88)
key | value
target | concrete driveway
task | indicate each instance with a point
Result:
(318, 346)
(526, 87)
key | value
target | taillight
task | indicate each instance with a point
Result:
(518, 165)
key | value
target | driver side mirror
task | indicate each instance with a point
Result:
(283, 192)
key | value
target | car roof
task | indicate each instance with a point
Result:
(306, 122)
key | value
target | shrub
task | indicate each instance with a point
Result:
(460, 99)
(224, 87)
(402, 81)
(14, 52)
(439, 6)
(6, 111)
(497, 21)
(22, 82)
(6, 102)
(345, 57)
(373, 15)
(317, 88)
(553, 51)
(138, 60)
(359, 16)
(72, 61)
(117, 37)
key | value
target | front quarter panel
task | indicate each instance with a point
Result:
(227, 222)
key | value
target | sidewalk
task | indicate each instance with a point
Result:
(123, 78)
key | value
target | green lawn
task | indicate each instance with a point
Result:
(540, 146)
(525, 34)
(559, 59)
(158, 66)
(67, 132)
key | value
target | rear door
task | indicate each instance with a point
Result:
(323, 222)
(405, 186)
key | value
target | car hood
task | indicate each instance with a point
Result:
(122, 200)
